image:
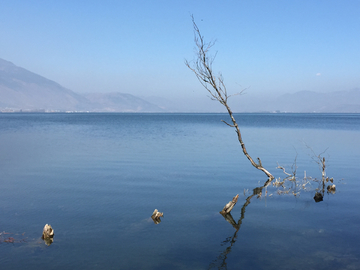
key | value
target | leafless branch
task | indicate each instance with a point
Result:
(319, 159)
(283, 169)
(227, 123)
(202, 68)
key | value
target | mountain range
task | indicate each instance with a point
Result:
(23, 90)
(346, 101)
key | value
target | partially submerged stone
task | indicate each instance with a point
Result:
(318, 197)
(156, 216)
(331, 189)
(48, 234)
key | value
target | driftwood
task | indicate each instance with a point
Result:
(156, 216)
(229, 206)
(48, 234)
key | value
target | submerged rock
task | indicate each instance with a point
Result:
(318, 197)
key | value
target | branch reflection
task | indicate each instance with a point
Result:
(220, 261)
(288, 185)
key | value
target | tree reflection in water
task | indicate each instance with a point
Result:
(220, 261)
(289, 185)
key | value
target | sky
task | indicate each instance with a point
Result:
(268, 47)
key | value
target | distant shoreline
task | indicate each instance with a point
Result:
(222, 113)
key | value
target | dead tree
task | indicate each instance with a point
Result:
(202, 67)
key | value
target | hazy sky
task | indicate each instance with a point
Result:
(139, 47)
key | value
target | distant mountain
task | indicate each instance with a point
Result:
(24, 90)
(307, 101)
(299, 102)
(21, 89)
(119, 102)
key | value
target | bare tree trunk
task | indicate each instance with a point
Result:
(256, 165)
(202, 68)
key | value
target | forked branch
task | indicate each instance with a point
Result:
(202, 68)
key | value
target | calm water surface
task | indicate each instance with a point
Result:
(97, 178)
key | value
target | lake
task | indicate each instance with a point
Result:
(97, 178)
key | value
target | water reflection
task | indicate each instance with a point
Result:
(220, 261)
(48, 241)
(288, 185)
(291, 184)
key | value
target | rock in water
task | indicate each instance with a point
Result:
(48, 234)
(331, 189)
(318, 197)
(156, 216)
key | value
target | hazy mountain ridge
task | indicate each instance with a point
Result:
(21, 89)
(307, 101)
(120, 102)
(24, 90)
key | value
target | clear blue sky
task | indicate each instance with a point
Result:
(139, 47)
